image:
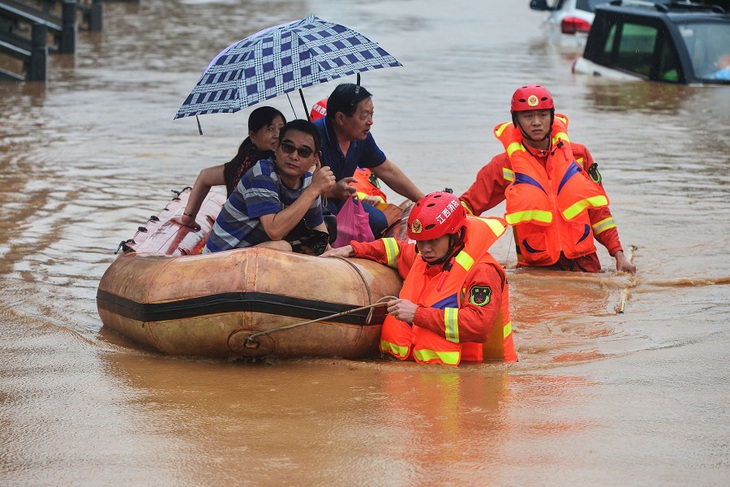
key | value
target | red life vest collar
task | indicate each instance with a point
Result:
(481, 233)
(538, 191)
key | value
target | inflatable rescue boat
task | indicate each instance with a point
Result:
(164, 295)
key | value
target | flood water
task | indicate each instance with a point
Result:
(598, 397)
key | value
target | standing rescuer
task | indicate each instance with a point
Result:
(552, 187)
(454, 304)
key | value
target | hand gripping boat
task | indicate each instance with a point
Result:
(166, 296)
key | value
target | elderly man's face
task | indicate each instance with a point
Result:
(357, 127)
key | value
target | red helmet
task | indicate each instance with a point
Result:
(435, 215)
(532, 97)
(319, 110)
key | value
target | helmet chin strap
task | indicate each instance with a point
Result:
(456, 243)
(524, 134)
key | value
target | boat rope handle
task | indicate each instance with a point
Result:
(252, 343)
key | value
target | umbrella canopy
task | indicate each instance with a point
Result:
(280, 60)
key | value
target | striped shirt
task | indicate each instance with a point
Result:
(260, 192)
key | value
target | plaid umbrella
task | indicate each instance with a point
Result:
(280, 60)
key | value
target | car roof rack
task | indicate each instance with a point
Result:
(679, 5)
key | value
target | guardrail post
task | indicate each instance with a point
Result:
(95, 16)
(67, 41)
(37, 67)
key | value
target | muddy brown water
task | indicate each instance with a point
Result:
(598, 397)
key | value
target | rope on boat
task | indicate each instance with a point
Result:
(509, 248)
(252, 343)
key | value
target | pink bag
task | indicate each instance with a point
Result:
(353, 223)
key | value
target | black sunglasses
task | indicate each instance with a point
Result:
(303, 151)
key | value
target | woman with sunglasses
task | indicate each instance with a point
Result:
(264, 125)
(278, 201)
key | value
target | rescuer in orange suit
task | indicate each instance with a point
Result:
(454, 304)
(552, 187)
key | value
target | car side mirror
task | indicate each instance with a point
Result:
(540, 5)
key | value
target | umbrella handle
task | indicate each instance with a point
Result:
(306, 112)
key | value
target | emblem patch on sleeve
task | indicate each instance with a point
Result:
(480, 295)
(594, 174)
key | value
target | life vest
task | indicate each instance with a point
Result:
(548, 203)
(367, 184)
(446, 290)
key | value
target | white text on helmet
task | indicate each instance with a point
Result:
(446, 212)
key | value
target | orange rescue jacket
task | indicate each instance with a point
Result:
(548, 203)
(367, 184)
(447, 290)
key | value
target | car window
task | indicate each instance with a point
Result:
(669, 69)
(706, 44)
(635, 49)
(608, 45)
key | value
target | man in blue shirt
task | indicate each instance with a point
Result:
(276, 196)
(347, 143)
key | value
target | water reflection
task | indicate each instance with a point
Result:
(421, 419)
(561, 317)
(655, 98)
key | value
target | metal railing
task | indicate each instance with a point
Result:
(31, 30)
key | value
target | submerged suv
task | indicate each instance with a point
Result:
(674, 43)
